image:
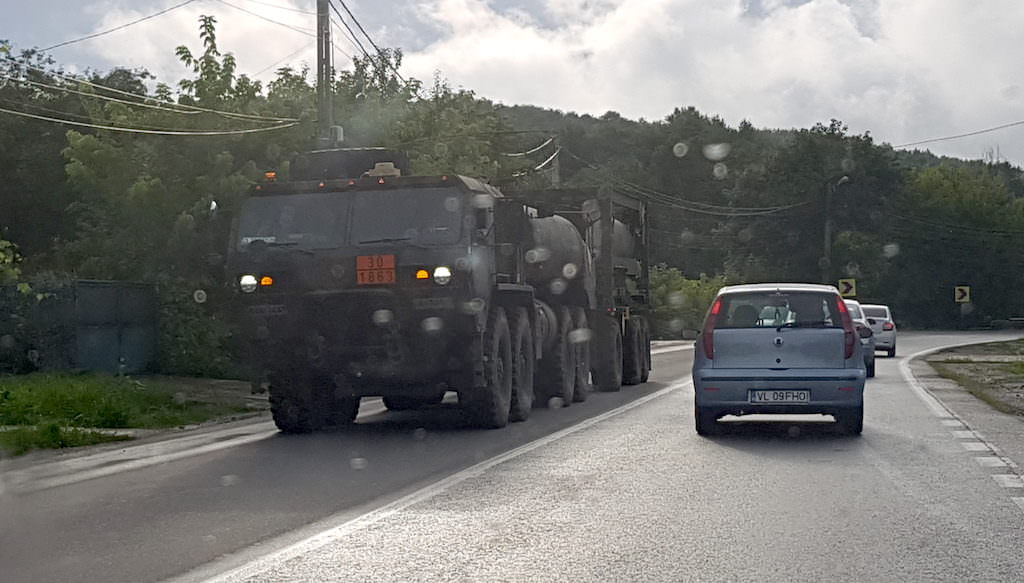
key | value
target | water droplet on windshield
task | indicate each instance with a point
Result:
(847, 164)
(358, 463)
(680, 149)
(558, 286)
(432, 324)
(676, 299)
(852, 269)
(580, 335)
(793, 431)
(687, 236)
(720, 171)
(537, 255)
(180, 398)
(451, 204)
(890, 250)
(228, 480)
(556, 403)
(745, 235)
(675, 325)
(569, 270)
(209, 539)
(473, 306)
(716, 152)
(419, 434)
(383, 317)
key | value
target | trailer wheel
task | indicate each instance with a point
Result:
(488, 406)
(645, 350)
(291, 404)
(606, 363)
(580, 339)
(631, 357)
(558, 367)
(524, 360)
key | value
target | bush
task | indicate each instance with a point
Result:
(193, 341)
(680, 303)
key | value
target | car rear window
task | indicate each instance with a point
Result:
(876, 312)
(855, 312)
(782, 308)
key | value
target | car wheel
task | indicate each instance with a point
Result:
(705, 421)
(851, 421)
(891, 353)
(871, 369)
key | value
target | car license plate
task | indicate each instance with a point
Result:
(780, 396)
(375, 269)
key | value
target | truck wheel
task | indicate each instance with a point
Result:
(645, 350)
(631, 357)
(488, 406)
(607, 357)
(580, 341)
(291, 405)
(558, 367)
(524, 360)
(343, 411)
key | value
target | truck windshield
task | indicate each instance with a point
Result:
(312, 221)
(424, 216)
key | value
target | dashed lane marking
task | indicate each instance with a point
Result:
(975, 446)
(1009, 480)
(990, 461)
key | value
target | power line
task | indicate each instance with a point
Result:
(352, 38)
(279, 7)
(369, 38)
(958, 136)
(93, 95)
(229, 114)
(117, 28)
(283, 59)
(146, 131)
(531, 150)
(306, 32)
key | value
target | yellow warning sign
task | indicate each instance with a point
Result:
(848, 288)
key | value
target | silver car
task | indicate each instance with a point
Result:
(866, 333)
(778, 348)
(880, 319)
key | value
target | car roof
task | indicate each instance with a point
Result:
(853, 302)
(876, 306)
(771, 287)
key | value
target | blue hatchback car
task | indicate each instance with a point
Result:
(778, 348)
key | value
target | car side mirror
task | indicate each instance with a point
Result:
(865, 332)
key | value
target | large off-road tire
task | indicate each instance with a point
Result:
(292, 403)
(488, 406)
(341, 411)
(579, 338)
(411, 403)
(606, 353)
(705, 422)
(851, 421)
(631, 357)
(645, 350)
(557, 372)
(524, 360)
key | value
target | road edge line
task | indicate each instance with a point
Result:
(312, 543)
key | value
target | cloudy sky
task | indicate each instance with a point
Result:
(905, 70)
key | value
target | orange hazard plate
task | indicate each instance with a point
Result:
(375, 269)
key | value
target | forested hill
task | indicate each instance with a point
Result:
(122, 186)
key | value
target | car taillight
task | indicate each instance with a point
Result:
(888, 326)
(849, 332)
(708, 335)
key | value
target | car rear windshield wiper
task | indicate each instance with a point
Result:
(391, 240)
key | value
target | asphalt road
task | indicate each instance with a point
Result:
(618, 488)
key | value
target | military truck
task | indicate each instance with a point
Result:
(356, 279)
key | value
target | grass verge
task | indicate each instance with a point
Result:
(1000, 384)
(21, 440)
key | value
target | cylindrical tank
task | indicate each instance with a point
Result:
(623, 242)
(558, 253)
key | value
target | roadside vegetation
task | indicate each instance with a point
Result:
(55, 410)
(992, 372)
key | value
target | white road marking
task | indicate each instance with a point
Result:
(657, 351)
(1009, 480)
(952, 423)
(966, 434)
(990, 461)
(1019, 502)
(975, 446)
(931, 402)
(349, 525)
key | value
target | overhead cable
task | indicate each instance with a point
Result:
(279, 7)
(116, 28)
(352, 38)
(101, 97)
(229, 114)
(283, 59)
(146, 131)
(965, 135)
(370, 39)
(306, 32)
(531, 150)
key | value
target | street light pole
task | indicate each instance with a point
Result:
(826, 257)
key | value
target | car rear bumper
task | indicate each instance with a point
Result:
(885, 340)
(728, 391)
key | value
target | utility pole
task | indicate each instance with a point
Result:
(826, 257)
(324, 69)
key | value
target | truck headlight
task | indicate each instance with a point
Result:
(248, 283)
(442, 275)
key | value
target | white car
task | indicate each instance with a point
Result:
(867, 338)
(880, 319)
